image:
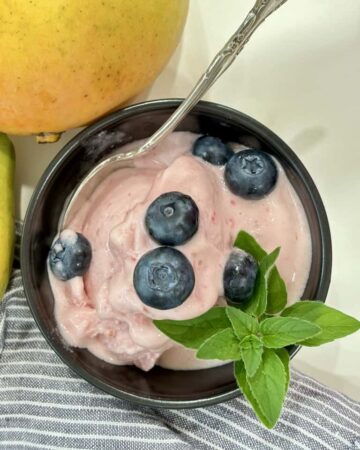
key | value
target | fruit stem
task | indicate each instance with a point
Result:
(47, 137)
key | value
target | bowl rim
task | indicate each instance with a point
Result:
(145, 107)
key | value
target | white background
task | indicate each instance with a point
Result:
(299, 75)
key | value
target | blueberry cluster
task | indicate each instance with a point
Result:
(250, 174)
(164, 277)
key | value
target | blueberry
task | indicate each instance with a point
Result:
(239, 277)
(172, 219)
(163, 278)
(70, 255)
(212, 150)
(251, 174)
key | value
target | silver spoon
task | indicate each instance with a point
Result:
(222, 61)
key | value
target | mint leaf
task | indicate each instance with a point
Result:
(279, 332)
(258, 303)
(240, 376)
(266, 266)
(333, 323)
(246, 242)
(283, 354)
(251, 349)
(194, 332)
(277, 295)
(268, 386)
(243, 324)
(223, 345)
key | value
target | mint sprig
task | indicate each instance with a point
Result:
(255, 339)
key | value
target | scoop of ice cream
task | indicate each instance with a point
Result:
(102, 311)
(129, 241)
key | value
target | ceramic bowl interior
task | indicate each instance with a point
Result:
(159, 387)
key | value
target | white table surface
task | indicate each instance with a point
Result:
(299, 76)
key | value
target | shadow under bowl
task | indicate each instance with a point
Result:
(158, 387)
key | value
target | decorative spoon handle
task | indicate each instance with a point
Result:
(222, 61)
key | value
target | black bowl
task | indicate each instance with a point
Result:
(159, 387)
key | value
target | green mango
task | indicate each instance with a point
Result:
(7, 210)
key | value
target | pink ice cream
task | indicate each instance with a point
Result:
(102, 312)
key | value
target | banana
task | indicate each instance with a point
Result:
(7, 206)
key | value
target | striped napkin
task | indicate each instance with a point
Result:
(44, 405)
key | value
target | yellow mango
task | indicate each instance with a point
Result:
(63, 63)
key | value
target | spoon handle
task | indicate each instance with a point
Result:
(222, 61)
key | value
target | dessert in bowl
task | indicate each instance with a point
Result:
(101, 321)
(165, 208)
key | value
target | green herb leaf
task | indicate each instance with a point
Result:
(283, 354)
(240, 376)
(229, 333)
(193, 333)
(277, 295)
(251, 349)
(243, 324)
(279, 332)
(268, 386)
(244, 241)
(223, 345)
(333, 323)
(258, 303)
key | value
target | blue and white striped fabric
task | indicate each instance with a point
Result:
(43, 405)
